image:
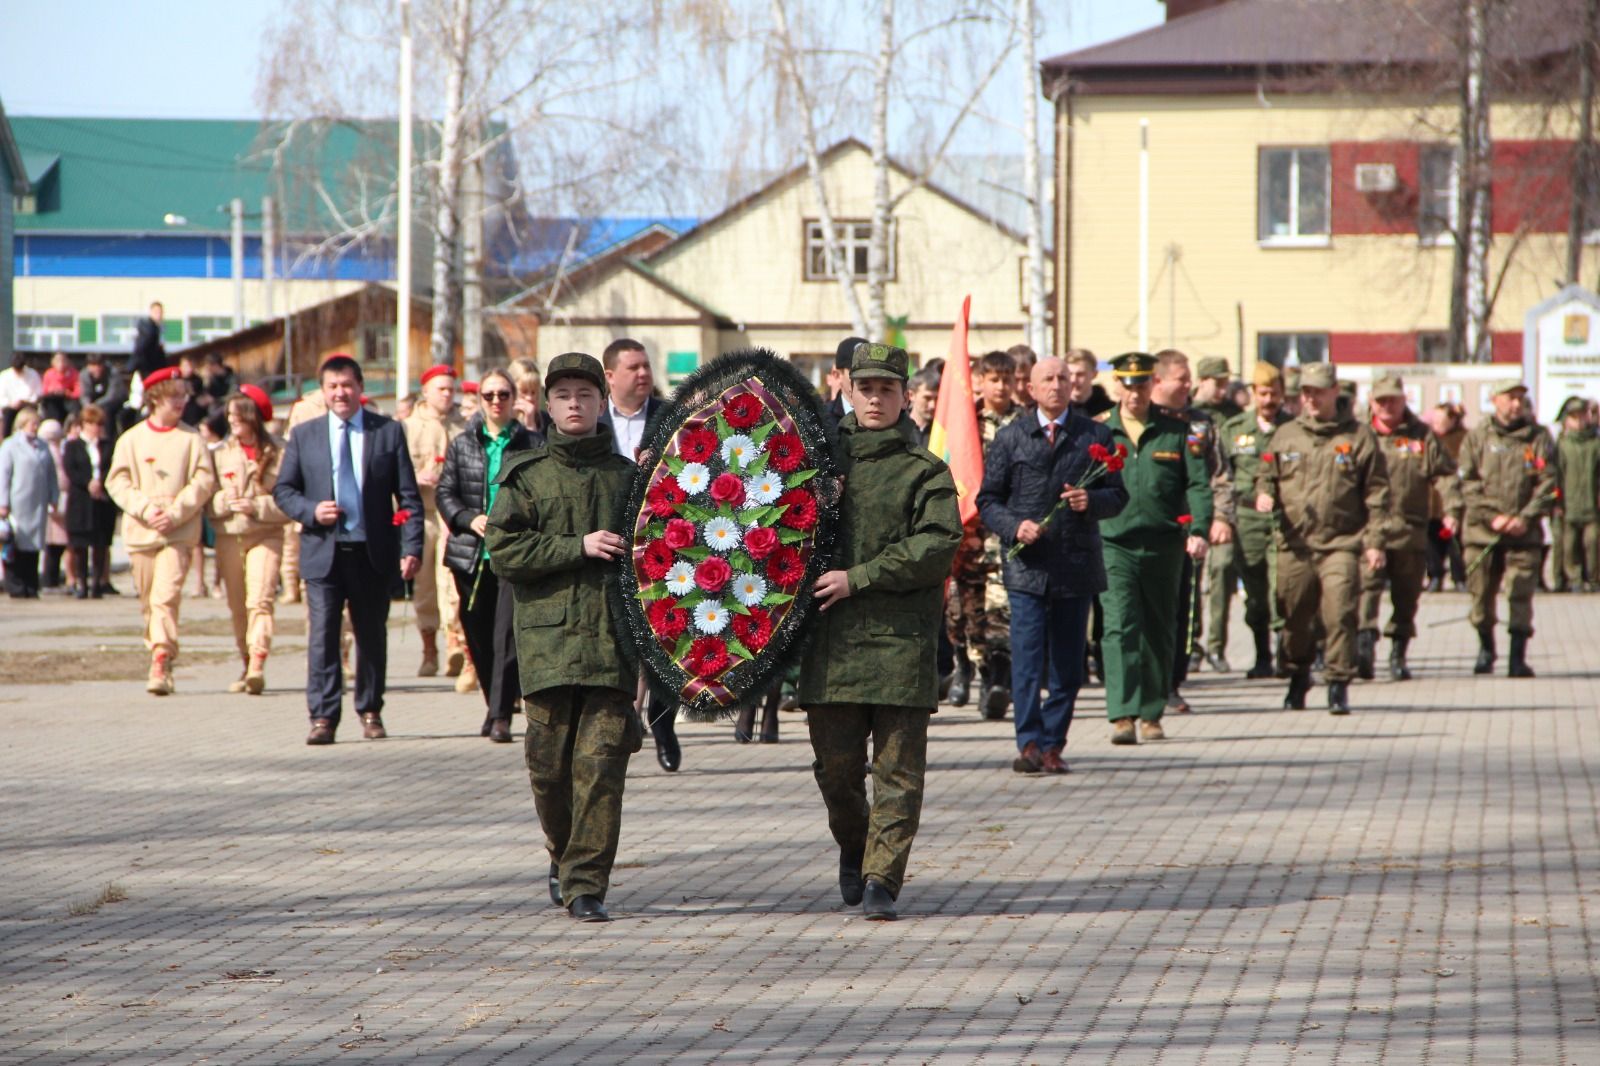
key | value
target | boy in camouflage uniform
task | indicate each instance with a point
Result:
(1578, 561)
(547, 535)
(871, 670)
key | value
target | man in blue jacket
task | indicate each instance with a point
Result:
(1034, 462)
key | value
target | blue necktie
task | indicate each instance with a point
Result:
(346, 492)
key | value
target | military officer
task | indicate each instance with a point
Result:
(1222, 560)
(1245, 439)
(871, 671)
(1169, 499)
(431, 426)
(1579, 530)
(1508, 484)
(1211, 393)
(1328, 478)
(1418, 465)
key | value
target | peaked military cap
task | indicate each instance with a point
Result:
(879, 361)
(1211, 366)
(1388, 385)
(1505, 385)
(1133, 368)
(1574, 405)
(576, 365)
(1318, 376)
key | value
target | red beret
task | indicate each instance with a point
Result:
(166, 373)
(469, 386)
(443, 370)
(259, 397)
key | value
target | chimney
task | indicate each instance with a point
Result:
(1176, 9)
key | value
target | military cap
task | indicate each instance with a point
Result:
(1318, 376)
(1574, 405)
(1211, 366)
(1388, 385)
(1291, 379)
(1133, 368)
(1265, 374)
(1505, 385)
(879, 361)
(576, 365)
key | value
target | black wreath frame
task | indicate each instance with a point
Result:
(748, 680)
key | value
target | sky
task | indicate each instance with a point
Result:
(198, 58)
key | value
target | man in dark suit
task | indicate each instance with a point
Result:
(631, 405)
(341, 477)
(149, 353)
(839, 378)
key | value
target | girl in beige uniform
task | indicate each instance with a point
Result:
(250, 530)
(162, 477)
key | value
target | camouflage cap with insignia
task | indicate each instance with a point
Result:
(1388, 385)
(1133, 368)
(1211, 366)
(1574, 405)
(879, 361)
(1505, 385)
(576, 365)
(1318, 376)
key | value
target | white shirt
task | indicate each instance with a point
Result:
(1060, 420)
(628, 430)
(18, 387)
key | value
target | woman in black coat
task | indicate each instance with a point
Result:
(91, 515)
(465, 495)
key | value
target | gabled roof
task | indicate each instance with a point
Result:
(1254, 37)
(558, 277)
(13, 157)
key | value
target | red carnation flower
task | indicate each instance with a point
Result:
(657, 560)
(664, 497)
(786, 567)
(708, 657)
(1099, 452)
(802, 512)
(787, 451)
(1114, 463)
(712, 573)
(1122, 451)
(1268, 457)
(1445, 532)
(1185, 520)
(667, 619)
(401, 517)
(680, 533)
(728, 488)
(760, 542)
(697, 445)
(742, 411)
(754, 630)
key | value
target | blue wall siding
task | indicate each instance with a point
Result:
(187, 256)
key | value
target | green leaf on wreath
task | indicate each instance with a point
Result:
(695, 513)
(763, 431)
(696, 552)
(752, 515)
(759, 467)
(777, 599)
(799, 478)
(738, 608)
(655, 530)
(737, 647)
(791, 536)
(773, 514)
(724, 431)
(689, 601)
(741, 563)
(651, 593)
(675, 465)
(685, 642)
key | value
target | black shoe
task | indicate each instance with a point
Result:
(664, 730)
(876, 903)
(1299, 685)
(996, 702)
(97, 592)
(1366, 654)
(744, 725)
(851, 886)
(1263, 667)
(500, 731)
(1485, 663)
(961, 682)
(1398, 670)
(769, 720)
(555, 884)
(1338, 697)
(1518, 665)
(588, 909)
(107, 589)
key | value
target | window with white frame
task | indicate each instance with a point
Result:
(118, 331)
(1438, 188)
(204, 328)
(1294, 196)
(1292, 349)
(855, 239)
(45, 333)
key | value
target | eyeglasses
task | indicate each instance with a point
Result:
(495, 397)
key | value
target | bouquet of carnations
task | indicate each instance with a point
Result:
(1102, 461)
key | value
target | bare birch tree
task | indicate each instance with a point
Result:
(1038, 328)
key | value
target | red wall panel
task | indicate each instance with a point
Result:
(1374, 213)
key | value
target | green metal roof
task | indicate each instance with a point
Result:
(127, 175)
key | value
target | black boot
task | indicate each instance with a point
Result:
(1338, 697)
(961, 679)
(997, 696)
(769, 717)
(1485, 663)
(851, 886)
(1299, 685)
(1366, 654)
(1263, 667)
(1518, 666)
(1398, 670)
(744, 725)
(663, 727)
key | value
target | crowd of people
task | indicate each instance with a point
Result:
(1113, 529)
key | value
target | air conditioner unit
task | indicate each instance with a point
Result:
(1376, 177)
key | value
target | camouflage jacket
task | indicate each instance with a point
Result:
(1418, 464)
(1203, 442)
(1330, 483)
(1507, 470)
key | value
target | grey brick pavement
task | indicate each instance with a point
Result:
(1413, 884)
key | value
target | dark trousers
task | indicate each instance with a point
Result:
(1048, 637)
(22, 574)
(488, 621)
(356, 582)
(50, 569)
(1442, 550)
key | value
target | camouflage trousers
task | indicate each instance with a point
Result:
(1402, 576)
(1579, 560)
(1222, 574)
(578, 743)
(1518, 569)
(881, 831)
(977, 610)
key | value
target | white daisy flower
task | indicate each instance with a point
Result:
(710, 616)
(763, 488)
(722, 534)
(680, 579)
(694, 478)
(749, 589)
(738, 450)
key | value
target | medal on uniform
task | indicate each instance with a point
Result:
(731, 519)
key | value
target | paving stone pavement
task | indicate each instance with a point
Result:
(1416, 883)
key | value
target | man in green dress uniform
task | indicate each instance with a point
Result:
(1169, 497)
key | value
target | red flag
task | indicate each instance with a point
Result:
(954, 436)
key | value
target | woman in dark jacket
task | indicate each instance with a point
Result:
(465, 494)
(91, 515)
